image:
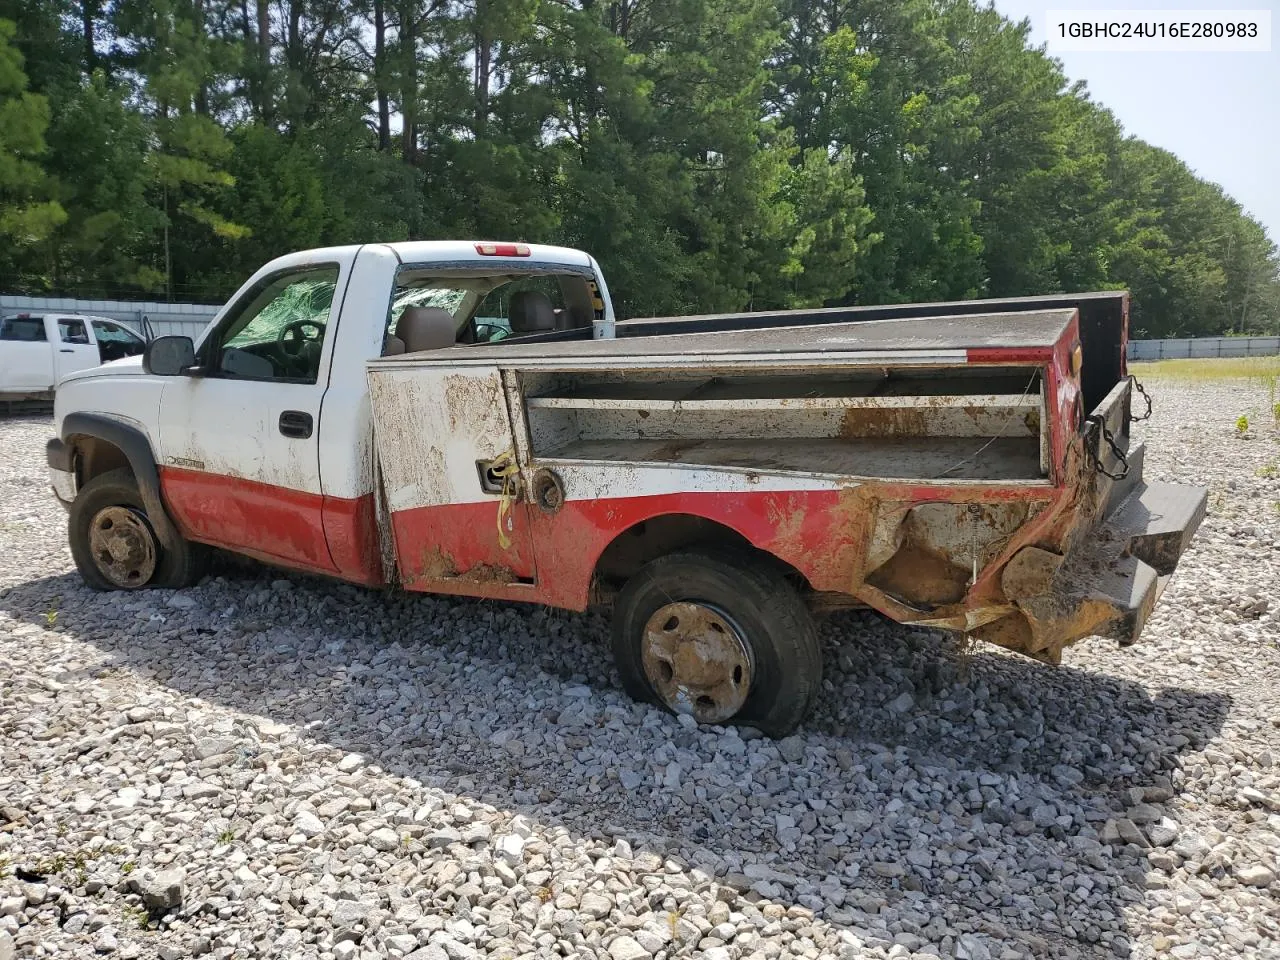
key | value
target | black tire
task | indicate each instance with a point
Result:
(172, 569)
(763, 608)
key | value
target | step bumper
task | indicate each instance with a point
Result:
(1110, 582)
(1152, 528)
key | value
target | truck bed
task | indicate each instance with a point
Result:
(895, 400)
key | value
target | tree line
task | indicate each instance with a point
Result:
(712, 154)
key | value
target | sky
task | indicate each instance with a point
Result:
(1219, 112)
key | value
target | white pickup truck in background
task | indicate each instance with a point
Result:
(38, 351)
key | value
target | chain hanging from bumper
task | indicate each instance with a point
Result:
(1109, 439)
(1145, 396)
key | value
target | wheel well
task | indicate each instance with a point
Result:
(95, 456)
(658, 536)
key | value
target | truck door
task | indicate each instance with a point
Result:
(26, 355)
(75, 349)
(239, 441)
(444, 442)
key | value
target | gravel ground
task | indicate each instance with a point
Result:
(272, 766)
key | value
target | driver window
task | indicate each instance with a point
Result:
(279, 333)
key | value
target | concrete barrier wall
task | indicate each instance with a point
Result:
(166, 318)
(1204, 347)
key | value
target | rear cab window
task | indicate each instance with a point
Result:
(488, 307)
(23, 329)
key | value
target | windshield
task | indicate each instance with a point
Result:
(26, 329)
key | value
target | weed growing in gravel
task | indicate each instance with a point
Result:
(127, 867)
(77, 860)
(1269, 472)
(226, 836)
(4, 867)
(138, 915)
(50, 867)
(1242, 424)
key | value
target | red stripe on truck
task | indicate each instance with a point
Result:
(454, 548)
(293, 528)
(552, 558)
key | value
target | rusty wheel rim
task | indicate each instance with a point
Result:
(697, 661)
(123, 547)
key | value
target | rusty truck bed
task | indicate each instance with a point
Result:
(948, 470)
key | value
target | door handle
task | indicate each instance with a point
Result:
(66, 350)
(296, 423)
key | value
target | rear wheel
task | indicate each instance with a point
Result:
(725, 640)
(115, 546)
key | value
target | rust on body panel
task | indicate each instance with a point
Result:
(1026, 575)
(934, 416)
(487, 573)
(866, 422)
(920, 575)
(1030, 573)
(435, 565)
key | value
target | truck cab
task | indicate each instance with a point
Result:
(264, 444)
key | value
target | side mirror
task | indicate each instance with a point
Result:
(169, 356)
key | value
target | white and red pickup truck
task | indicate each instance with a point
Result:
(716, 479)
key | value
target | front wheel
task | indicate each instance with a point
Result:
(724, 640)
(115, 546)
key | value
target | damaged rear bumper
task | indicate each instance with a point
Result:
(1133, 552)
(1126, 541)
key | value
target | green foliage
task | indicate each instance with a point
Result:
(27, 214)
(1242, 424)
(712, 154)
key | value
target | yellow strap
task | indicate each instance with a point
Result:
(505, 466)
